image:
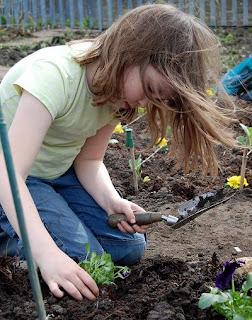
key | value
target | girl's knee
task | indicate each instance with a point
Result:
(127, 251)
(133, 255)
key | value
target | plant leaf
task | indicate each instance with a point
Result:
(208, 299)
(248, 283)
(101, 268)
(248, 131)
(241, 140)
(238, 317)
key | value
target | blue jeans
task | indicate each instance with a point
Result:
(72, 218)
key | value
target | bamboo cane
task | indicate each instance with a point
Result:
(130, 145)
(244, 164)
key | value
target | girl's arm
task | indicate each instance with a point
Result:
(94, 177)
(26, 134)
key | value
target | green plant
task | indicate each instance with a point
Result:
(229, 38)
(102, 269)
(248, 137)
(86, 21)
(3, 20)
(232, 304)
(138, 163)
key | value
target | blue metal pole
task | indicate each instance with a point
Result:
(20, 216)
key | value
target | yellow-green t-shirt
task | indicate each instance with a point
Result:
(53, 77)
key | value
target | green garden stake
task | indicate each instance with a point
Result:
(129, 138)
(20, 217)
(129, 143)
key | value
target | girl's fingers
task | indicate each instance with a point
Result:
(55, 290)
(78, 286)
(77, 290)
(125, 227)
(72, 290)
(140, 229)
(88, 283)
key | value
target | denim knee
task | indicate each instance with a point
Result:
(134, 256)
(126, 251)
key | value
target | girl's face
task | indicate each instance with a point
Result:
(133, 94)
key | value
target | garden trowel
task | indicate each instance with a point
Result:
(186, 212)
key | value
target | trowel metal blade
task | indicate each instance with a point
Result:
(200, 204)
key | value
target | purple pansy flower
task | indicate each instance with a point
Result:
(126, 273)
(225, 276)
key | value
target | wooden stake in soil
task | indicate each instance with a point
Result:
(244, 164)
(130, 145)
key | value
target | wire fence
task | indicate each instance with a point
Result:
(100, 14)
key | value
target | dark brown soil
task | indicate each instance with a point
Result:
(178, 264)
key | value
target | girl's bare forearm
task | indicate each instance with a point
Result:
(94, 177)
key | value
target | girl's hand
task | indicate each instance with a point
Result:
(60, 271)
(128, 208)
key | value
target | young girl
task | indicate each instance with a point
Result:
(61, 105)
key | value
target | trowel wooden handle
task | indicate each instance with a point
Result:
(142, 218)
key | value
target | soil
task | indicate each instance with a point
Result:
(178, 263)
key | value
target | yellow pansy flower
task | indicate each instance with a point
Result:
(234, 182)
(210, 92)
(163, 143)
(118, 129)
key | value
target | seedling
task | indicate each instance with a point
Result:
(138, 163)
(101, 268)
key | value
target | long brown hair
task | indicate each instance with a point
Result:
(186, 53)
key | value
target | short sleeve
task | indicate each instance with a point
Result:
(44, 80)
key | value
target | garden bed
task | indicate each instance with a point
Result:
(178, 264)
